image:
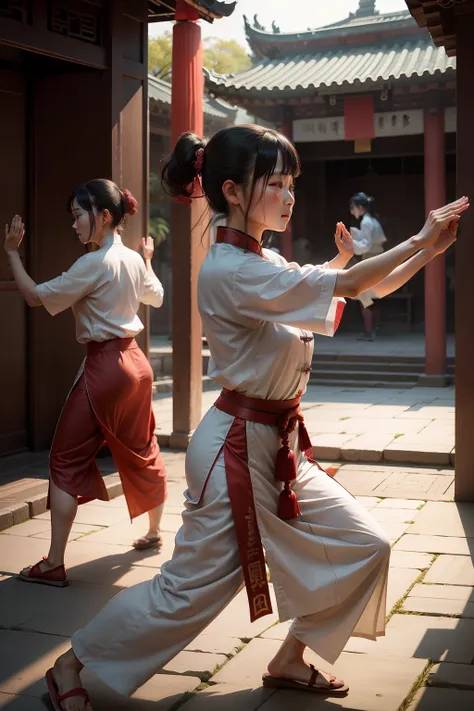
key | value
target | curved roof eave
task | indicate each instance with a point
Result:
(287, 91)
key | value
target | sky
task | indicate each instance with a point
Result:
(289, 15)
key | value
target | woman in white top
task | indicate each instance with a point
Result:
(368, 240)
(252, 479)
(110, 401)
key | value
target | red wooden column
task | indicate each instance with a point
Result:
(286, 237)
(435, 271)
(464, 478)
(187, 226)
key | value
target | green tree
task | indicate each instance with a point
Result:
(159, 56)
(225, 56)
(222, 56)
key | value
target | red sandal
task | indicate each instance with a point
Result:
(55, 576)
(56, 698)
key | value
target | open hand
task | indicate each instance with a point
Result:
(14, 234)
(148, 247)
(344, 241)
(439, 220)
(447, 237)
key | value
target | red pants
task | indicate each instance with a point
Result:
(110, 403)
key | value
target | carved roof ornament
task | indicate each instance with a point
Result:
(275, 28)
(257, 24)
(214, 9)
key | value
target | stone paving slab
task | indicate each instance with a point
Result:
(445, 674)
(399, 580)
(213, 644)
(464, 593)
(445, 519)
(25, 551)
(435, 544)
(56, 611)
(369, 501)
(432, 606)
(30, 654)
(376, 684)
(430, 699)
(393, 530)
(422, 637)
(405, 559)
(451, 570)
(198, 664)
(385, 514)
(21, 703)
(25, 657)
(161, 693)
(229, 697)
(96, 514)
(123, 534)
(398, 484)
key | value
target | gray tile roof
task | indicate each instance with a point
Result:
(355, 66)
(160, 90)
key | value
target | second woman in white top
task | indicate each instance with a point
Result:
(110, 401)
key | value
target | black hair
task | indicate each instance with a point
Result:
(103, 194)
(234, 153)
(365, 201)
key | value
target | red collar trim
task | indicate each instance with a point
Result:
(239, 239)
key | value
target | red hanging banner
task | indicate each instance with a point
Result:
(186, 12)
(359, 121)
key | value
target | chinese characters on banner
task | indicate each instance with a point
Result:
(395, 123)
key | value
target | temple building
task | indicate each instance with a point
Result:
(370, 103)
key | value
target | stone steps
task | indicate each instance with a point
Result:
(348, 382)
(371, 371)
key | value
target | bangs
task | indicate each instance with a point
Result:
(272, 146)
(83, 198)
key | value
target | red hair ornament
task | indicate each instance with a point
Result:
(129, 203)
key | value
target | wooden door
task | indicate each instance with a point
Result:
(13, 181)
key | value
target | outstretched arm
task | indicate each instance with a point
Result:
(13, 238)
(372, 271)
(406, 271)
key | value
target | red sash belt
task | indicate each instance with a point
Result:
(114, 344)
(285, 415)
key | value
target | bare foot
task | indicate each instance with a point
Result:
(66, 675)
(302, 672)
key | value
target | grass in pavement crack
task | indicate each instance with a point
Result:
(419, 683)
(397, 606)
(206, 679)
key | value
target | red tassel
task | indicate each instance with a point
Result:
(305, 442)
(288, 504)
(285, 467)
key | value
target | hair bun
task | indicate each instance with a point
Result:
(130, 205)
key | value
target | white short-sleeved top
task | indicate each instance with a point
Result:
(368, 240)
(258, 317)
(104, 289)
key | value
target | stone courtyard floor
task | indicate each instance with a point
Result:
(409, 425)
(424, 663)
